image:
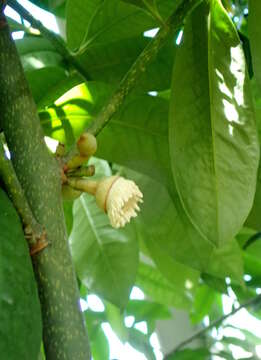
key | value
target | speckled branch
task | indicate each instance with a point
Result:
(16, 194)
(64, 332)
(55, 39)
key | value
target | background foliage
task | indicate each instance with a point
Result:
(187, 134)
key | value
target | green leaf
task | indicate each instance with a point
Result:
(144, 310)
(99, 345)
(204, 299)
(71, 113)
(254, 32)
(164, 7)
(238, 342)
(226, 355)
(106, 259)
(20, 314)
(50, 5)
(106, 63)
(252, 267)
(254, 218)
(45, 70)
(215, 283)
(104, 39)
(213, 139)
(250, 336)
(172, 238)
(227, 261)
(141, 131)
(150, 6)
(116, 319)
(141, 342)
(115, 20)
(78, 17)
(156, 287)
(140, 127)
(188, 354)
(98, 341)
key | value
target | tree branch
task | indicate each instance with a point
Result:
(253, 301)
(55, 39)
(16, 194)
(64, 332)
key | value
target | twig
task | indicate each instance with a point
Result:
(16, 194)
(253, 301)
(173, 23)
(55, 39)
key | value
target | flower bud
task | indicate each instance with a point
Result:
(76, 161)
(87, 144)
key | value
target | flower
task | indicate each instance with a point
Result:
(119, 198)
(116, 196)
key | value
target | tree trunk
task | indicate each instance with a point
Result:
(64, 332)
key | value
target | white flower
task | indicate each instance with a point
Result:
(119, 198)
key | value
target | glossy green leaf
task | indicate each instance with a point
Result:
(105, 259)
(164, 230)
(213, 139)
(254, 32)
(20, 314)
(71, 113)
